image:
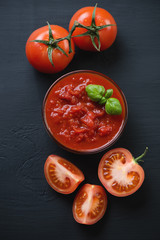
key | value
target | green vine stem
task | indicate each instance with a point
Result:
(139, 159)
(92, 31)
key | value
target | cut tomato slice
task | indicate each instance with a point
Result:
(63, 176)
(120, 173)
(90, 204)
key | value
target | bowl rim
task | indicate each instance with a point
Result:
(94, 150)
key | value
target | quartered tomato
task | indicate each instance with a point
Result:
(120, 173)
(62, 175)
(90, 204)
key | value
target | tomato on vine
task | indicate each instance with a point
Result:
(95, 30)
(48, 50)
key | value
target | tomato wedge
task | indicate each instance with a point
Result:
(63, 176)
(90, 204)
(120, 173)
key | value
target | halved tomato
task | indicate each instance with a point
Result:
(90, 204)
(63, 176)
(120, 173)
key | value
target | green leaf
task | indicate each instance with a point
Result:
(102, 100)
(95, 92)
(113, 106)
(108, 93)
(50, 32)
(50, 50)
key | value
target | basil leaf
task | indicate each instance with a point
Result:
(113, 106)
(95, 92)
(108, 93)
(102, 100)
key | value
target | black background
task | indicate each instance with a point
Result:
(29, 208)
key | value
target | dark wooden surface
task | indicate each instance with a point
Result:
(29, 208)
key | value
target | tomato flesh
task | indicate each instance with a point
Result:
(90, 204)
(119, 173)
(62, 175)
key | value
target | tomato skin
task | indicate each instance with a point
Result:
(102, 17)
(63, 169)
(96, 194)
(129, 166)
(37, 53)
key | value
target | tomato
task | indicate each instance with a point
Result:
(120, 173)
(90, 204)
(107, 35)
(37, 52)
(63, 176)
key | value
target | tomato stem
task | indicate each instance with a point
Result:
(92, 31)
(53, 43)
(139, 159)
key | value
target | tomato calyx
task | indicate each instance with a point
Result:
(52, 44)
(139, 159)
(92, 30)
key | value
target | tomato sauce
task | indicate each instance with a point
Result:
(74, 120)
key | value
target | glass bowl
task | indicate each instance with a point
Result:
(99, 148)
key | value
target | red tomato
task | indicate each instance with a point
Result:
(62, 175)
(90, 204)
(102, 17)
(37, 53)
(120, 173)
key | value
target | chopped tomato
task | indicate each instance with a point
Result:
(62, 175)
(120, 173)
(88, 119)
(90, 204)
(105, 130)
(75, 121)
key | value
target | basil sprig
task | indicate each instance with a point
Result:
(97, 93)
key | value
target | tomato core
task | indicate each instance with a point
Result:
(95, 208)
(127, 179)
